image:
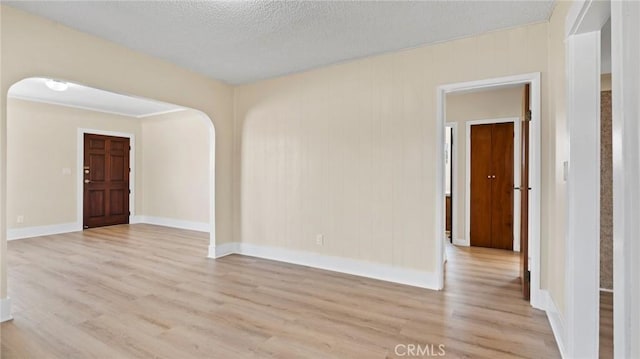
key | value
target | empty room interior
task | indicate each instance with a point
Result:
(320, 179)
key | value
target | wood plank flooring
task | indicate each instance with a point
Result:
(143, 291)
(606, 325)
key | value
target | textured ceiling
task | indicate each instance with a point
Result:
(88, 98)
(244, 41)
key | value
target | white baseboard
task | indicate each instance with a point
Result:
(383, 272)
(135, 219)
(174, 223)
(461, 242)
(224, 249)
(5, 309)
(556, 321)
(28, 232)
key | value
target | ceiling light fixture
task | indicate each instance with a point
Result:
(57, 85)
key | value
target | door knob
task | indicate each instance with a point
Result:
(87, 181)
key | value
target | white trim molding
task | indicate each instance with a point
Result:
(460, 242)
(582, 255)
(534, 211)
(586, 16)
(556, 321)
(5, 309)
(359, 268)
(516, 178)
(94, 109)
(224, 249)
(28, 232)
(454, 181)
(173, 223)
(625, 57)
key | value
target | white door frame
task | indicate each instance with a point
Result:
(534, 211)
(582, 253)
(212, 183)
(454, 181)
(516, 178)
(80, 172)
(625, 30)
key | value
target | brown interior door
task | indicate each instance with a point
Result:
(106, 180)
(491, 194)
(449, 197)
(480, 176)
(524, 196)
(502, 186)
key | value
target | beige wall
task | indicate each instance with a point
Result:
(349, 150)
(42, 141)
(461, 108)
(175, 156)
(171, 168)
(33, 46)
(605, 82)
(556, 133)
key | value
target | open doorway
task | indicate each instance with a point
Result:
(164, 151)
(606, 349)
(90, 137)
(490, 151)
(585, 23)
(450, 161)
(486, 108)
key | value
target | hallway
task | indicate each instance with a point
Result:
(484, 284)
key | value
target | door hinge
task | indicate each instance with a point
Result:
(129, 191)
(527, 276)
(527, 116)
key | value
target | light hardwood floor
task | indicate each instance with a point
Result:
(145, 291)
(606, 325)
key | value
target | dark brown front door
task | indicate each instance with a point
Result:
(106, 180)
(492, 185)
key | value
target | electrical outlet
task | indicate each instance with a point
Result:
(20, 219)
(320, 239)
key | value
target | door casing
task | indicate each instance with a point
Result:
(537, 298)
(454, 183)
